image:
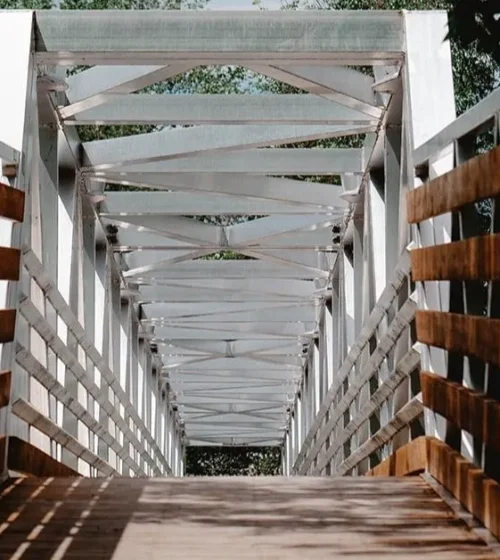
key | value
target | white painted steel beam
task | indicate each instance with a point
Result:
(300, 193)
(186, 142)
(336, 84)
(189, 204)
(105, 84)
(269, 161)
(145, 37)
(237, 269)
(163, 109)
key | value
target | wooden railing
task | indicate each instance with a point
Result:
(464, 388)
(372, 369)
(11, 208)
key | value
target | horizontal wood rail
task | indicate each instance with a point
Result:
(471, 487)
(25, 411)
(11, 203)
(468, 410)
(25, 458)
(467, 334)
(477, 258)
(7, 325)
(411, 459)
(477, 179)
(10, 263)
(5, 383)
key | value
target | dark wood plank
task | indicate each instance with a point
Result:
(471, 487)
(9, 170)
(469, 410)
(5, 382)
(411, 459)
(11, 203)
(475, 180)
(10, 263)
(467, 334)
(477, 258)
(23, 457)
(7, 325)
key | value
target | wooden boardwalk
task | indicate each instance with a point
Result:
(231, 518)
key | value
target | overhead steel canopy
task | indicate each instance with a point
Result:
(232, 336)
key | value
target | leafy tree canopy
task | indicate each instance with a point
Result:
(233, 461)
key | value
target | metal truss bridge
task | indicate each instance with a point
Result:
(358, 329)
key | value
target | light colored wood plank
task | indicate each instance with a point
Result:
(5, 383)
(11, 203)
(477, 179)
(477, 258)
(233, 517)
(23, 457)
(10, 262)
(471, 487)
(468, 410)
(7, 325)
(411, 459)
(467, 334)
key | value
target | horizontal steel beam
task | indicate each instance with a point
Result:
(71, 37)
(122, 153)
(162, 109)
(185, 204)
(241, 185)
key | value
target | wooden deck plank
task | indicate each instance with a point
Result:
(467, 334)
(228, 518)
(408, 460)
(7, 325)
(477, 179)
(469, 410)
(11, 203)
(477, 258)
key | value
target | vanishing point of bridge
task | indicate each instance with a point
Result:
(358, 330)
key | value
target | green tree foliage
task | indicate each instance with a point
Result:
(474, 38)
(233, 461)
(477, 23)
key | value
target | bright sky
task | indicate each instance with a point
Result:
(242, 4)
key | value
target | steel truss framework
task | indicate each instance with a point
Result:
(117, 310)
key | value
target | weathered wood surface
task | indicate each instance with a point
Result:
(471, 487)
(11, 203)
(467, 334)
(408, 460)
(477, 258)
(23, 457)
(231, 518)
(7, 325)
(477, 179)
(5, 383)
(468, 410)
(10, 261)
